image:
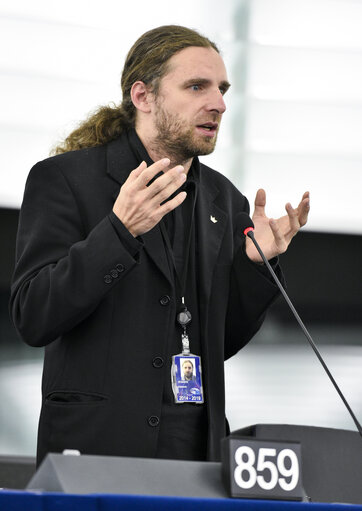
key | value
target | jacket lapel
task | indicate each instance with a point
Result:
(120, 162)
(211, 221)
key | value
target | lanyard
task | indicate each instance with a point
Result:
(181, 278)
(184, 316)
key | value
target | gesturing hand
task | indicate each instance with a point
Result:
(138, 206)
(272, 235)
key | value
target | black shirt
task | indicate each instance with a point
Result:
(183, 427)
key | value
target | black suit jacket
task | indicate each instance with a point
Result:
(99, 302)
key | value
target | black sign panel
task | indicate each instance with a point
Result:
(262, 469)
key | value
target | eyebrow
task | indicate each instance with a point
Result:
(204, 81)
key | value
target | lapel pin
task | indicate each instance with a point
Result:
(213, 219)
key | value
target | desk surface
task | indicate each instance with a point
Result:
(38, 501)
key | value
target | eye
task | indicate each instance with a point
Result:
(195, 87)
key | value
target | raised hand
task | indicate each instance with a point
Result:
(274, 235)
(138, 206)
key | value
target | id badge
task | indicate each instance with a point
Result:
(186, 379)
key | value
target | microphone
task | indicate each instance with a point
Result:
(247, 226)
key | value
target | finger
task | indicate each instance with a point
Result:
(136, 172)
(150, 172)
(303, 209)
(173, 178)
(278, 235)
(165, 189)
(293, 215)
(172, 204)
(259, 203)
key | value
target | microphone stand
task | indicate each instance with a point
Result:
(250, 233)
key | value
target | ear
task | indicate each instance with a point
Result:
(141, 97)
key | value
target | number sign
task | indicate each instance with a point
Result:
(262, 469)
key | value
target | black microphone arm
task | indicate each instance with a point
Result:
(249, 232)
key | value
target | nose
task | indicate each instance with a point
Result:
(216, 103)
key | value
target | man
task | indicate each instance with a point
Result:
(130, 255)
(188, 369)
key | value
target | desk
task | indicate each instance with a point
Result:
(36, 501)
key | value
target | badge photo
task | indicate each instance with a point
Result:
(186, 379)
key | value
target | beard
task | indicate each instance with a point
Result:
(177, 140)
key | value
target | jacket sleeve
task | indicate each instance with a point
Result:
(62, 271)
(252, 291)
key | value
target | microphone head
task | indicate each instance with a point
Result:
(245, 223)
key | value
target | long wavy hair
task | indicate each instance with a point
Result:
(147, 61)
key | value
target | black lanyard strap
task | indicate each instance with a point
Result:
(180, 279)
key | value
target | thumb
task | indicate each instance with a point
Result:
(259, 203)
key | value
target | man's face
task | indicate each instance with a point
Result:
(187, 367)
(189, 105)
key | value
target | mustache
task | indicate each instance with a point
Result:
(215, 118)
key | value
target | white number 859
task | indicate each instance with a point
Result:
(245, 460)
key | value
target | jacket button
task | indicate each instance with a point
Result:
(157, 362)
(107, 279)
(119, 268)
(153, 421)
(165, 300)
(114, 273)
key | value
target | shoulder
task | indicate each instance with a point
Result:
(74, 169)
(72, 160)
(74, 173)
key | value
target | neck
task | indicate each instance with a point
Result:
(156, 152)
